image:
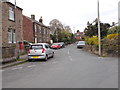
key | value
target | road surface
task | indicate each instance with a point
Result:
(70, 68)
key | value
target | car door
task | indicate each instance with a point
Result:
(48, 51)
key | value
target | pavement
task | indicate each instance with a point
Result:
(23, 58)
(70, 68)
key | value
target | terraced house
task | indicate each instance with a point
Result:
(16, 28)
(11, 27)
(35, 31)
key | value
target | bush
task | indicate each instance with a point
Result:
(110, 44)
(111, 36)
(115, 29)
(92, 41)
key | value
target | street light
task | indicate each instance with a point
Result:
(99, 35)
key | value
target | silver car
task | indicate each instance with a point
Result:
(40, 51)
(80, 44)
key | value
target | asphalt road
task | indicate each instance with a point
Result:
(70, 68)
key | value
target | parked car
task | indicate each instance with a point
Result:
(40, 51)
(62, 44)
(55, 46)
(80, 44)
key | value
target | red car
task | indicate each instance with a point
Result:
(55, 46)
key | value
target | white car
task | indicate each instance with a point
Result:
(40, 51)
(80, 44)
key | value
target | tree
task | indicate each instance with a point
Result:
(115, 29)
(78, 31)
(92, 30)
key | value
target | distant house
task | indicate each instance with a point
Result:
(79, 35)
(34, 31)
(12, 30)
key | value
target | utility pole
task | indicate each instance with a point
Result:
(119, 13)
(99, 35)
(17, 47)
(74, 29)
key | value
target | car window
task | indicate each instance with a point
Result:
(46, 46)
(55, 44)
(81, 42)
(36, 46)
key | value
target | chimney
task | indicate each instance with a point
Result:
(41, 20)
(113, 23)
(33, 16)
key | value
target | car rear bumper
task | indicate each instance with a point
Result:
(36, 57)
(80, 46)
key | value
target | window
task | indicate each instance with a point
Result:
(36, 47)
(14, 36)
(35, 28)
(11, 14)
(11, 36)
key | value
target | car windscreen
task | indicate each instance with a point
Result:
(81, 42)
(55, 44)
(36, 46)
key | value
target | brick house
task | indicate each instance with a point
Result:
(37, 32)
(12, 31)
(79, 35)
(28, 29)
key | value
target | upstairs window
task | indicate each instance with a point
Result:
(11, 14)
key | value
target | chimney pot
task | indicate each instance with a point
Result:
(33, 16)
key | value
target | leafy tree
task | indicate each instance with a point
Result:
(92, 30)
(115, 29)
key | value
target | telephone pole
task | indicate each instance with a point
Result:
(99, 35)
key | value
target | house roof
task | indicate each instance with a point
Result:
(13, 5)
(35, 21)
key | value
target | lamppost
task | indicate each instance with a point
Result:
(99, 35)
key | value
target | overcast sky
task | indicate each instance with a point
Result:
(75, 13)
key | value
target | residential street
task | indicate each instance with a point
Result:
(70, 68)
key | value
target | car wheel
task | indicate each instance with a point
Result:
(30, 60)
(52, 55)
(46, 58)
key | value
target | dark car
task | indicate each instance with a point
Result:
(62, 44)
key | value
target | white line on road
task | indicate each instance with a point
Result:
(31, 66)
(70, 58)
(100, 58)
(2, 70)
(17, 68)
(68, 51)
(54, 62)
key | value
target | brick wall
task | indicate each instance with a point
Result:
(27, 29)
(10, 48)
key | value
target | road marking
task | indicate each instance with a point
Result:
(70, 58)
(68, 51)
(100, 57)
(54, 62)
(17, 68)
(2, 70)
(31, 66)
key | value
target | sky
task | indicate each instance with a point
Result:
(74, 13)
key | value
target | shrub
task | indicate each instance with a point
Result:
(92, 41)
(111, 36)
